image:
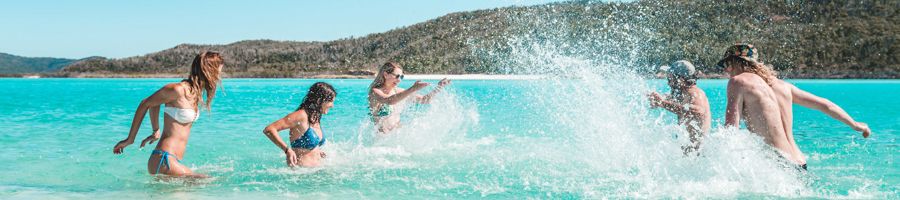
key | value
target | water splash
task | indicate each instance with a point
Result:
(594, 101)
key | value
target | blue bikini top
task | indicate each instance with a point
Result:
(309, 140)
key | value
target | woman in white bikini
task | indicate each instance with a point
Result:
(182, 107)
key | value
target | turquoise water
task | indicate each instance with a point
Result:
(496, 139)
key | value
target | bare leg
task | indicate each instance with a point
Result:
(174, 168)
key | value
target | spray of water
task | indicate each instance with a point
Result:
(588, 133)
(594, 100)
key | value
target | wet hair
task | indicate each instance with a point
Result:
(763, 71)
(388, 67)
(204, 76)
(319, 93)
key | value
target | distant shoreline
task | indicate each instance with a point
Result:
(425, 76)
(319, 76)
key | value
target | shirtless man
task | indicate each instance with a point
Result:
(687, 101)
(748, 97)
(751, 97)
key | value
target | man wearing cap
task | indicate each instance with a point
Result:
(687, 101)
(765, 102)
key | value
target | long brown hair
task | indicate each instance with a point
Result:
(763, 71)
(319, 93)
(379, 77)
(204, 76)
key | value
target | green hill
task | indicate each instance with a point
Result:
(835, 39)
(12, 64)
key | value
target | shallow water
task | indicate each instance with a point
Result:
(496, 139)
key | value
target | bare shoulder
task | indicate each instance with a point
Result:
(739, 80)
(697, 93)
(299, 115)
(294, 118)
(748, 80)
(785, 84)
(782, 86)
(173, 89)
(378, 91)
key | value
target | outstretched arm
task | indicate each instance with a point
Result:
(735, 104)
(812, 101)
(161, 96)
(657, 100)
(427, 98)
(286, 122)
(381, 97)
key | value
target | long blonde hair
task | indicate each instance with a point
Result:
(379, 77)
(204, 77)
(763, 71)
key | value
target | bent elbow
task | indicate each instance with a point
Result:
(144, 105)
(267, 131)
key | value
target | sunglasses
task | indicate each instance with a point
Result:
(398, 76)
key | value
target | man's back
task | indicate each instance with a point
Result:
(761, 109)
(785, 102)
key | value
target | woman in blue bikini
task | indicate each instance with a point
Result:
(182, 100)
(384, 96)
(306, 130)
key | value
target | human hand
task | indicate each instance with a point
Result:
(444, 82)
(864, 128)
(655, 99)
(150, 139)
(118, 149)
(419, 85)
(291, 157)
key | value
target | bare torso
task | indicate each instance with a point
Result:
(785, 102)
(387, 122)
(308, 157)
(699, 120)
(763, 115)
(174, 136)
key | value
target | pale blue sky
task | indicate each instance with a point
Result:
(122, 28)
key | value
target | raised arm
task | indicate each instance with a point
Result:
(427, 98)
(735, 104)
(271, 132)
(382, 97)
(812, 101)
(166, 94)
(657, 100)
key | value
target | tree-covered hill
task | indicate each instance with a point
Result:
(12, 64)
(832, 39)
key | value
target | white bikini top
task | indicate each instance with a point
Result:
(182, 115)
